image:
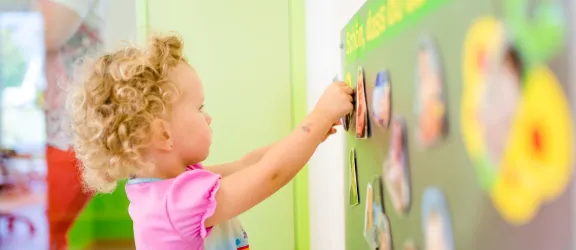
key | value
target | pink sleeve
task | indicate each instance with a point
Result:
(195, 166)
(191, 201)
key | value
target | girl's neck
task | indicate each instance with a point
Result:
(160, 172)
(153, 174)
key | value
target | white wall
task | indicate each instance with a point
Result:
(324, 21)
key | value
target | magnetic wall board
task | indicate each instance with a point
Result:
(386, 36)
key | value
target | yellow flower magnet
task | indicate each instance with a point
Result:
(516, 123)
(481, 47)
(541, 140)
(537, 163)
(516, 196)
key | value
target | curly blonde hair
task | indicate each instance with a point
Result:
(113, 102)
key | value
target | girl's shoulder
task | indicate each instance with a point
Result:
(195, 175)
(191, 199)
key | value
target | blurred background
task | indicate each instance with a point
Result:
(264, 64)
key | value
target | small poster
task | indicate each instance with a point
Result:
(378, 193)
(431, 97)
(362, 126)
(409, 245)
(516, 120)
(484, 39)
(396, 167)
(436, 222)
(376, 225)
(382, 99)
(384, 233)
(369, 215)
(347, 119)
(354, 197)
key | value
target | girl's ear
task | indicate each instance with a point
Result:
(161, 136)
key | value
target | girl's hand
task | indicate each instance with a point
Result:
(332, 130)
(334, 103)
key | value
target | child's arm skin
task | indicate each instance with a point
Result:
(249, 159)
(246, 188)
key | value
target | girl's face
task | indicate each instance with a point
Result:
(429, 79)
(501, 99)
(423, 63)
(435, 238)
(383, 240)
(426, 73)
(190, 124)
(397, 137)
(385, 104)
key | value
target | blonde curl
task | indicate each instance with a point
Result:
(113, 102)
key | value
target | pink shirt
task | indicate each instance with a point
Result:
(170, 214)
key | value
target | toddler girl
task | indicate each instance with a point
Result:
(138, 114)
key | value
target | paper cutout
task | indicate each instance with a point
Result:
(431, 97)
(362, 127)
(354, 197)
(378, 193)
(481, 46)
(376, 225)
(516, 123)
(369, 218)
(396, 167)
(409, 245)
(382, 99)
(537, 166)
(539, 32)
(499, 102)
(436, 222)
(347, 119)
(384, 232)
